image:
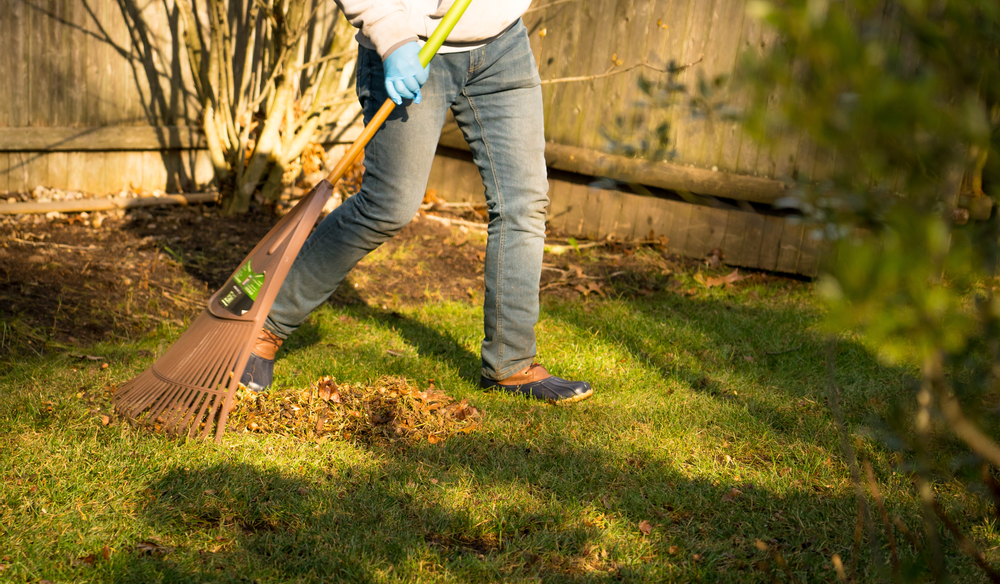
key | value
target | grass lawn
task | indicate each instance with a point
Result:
(706, 452)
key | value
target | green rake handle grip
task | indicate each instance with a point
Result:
(427, 53)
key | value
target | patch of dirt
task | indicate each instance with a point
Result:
(77, 278)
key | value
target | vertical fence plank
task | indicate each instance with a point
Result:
(687, 130)
(810, 254)
(788, 249)
(575, 213)
(154, 171)
(563, 100)
(610, 212)
(770, 242)
(721, 56)
(632, 206)
(58, 168)
(559, 204)
(654, 220)
(17, 45)
(734, 247)
(679, 227)
(5, 172)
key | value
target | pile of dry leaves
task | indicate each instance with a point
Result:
(389, 409)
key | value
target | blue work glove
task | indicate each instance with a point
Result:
(403, 74)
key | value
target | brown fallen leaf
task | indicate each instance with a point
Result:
(152, 548)
(209, 492)
(731, 495)
(88, 559)
(712, 282)
(106, 552)
(673, 550)
(105, 420)
(645, 527)
(303, 491)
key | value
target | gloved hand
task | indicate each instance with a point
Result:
(403, 74)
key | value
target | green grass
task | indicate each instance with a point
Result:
(695, 396)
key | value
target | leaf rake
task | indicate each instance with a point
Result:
(190, 389)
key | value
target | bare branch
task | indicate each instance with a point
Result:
(611, 72)
(323, 60)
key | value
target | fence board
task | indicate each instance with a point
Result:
(575, 214)
(17, 74)
(770, 242)
(697, 27)
(559, 204)
(788, 251)
(5, 172)
(609, 213)
(724, 39)
(679, 227)
(654, 219)
(58, 170)
(734, 250)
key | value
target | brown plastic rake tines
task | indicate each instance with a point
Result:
(192, 386)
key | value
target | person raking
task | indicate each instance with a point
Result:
(486, 75)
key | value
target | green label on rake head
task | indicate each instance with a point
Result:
(241, 291)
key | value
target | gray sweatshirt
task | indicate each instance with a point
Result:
(385, 25)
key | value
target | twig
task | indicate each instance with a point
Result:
(967, 546)
(322, 60)
(59, 245)
(877, 495)
(849, 454)
(901, 526)
(620, 71)
(450, 222)
(795, 348)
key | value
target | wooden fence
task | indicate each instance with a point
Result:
(591, 55)
(90, 101)
(91, 98)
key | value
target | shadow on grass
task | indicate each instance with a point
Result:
(363, 524)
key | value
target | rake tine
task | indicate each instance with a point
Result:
(196, 412)
(179, 408)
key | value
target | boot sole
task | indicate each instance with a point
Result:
(572, 400)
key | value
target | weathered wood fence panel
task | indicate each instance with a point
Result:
(92, 87)
(591, 55)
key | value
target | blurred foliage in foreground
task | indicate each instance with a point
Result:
(903, 99)
(900, 100)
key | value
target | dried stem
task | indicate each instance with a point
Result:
(880, 502)
(966, 545)
(611, 72)
(864, 516)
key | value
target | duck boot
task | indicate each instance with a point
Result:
(537, 383)
(259, 372)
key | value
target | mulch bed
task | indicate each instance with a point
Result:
(78, 278)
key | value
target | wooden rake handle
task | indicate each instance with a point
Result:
(427, 53)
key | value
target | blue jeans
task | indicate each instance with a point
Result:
(495, 95)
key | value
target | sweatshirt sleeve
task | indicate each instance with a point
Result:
(384, 22)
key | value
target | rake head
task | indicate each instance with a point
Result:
(190, 389)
